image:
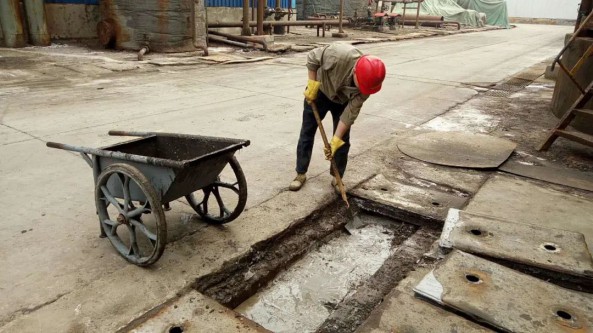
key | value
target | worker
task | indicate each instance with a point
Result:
(341, 79)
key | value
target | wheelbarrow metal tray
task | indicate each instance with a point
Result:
(193, 162)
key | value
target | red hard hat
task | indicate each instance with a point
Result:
(370, 73)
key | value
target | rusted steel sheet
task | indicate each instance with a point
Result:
(35, 11)
(460, 149)
(424, 203)
(504, 298)
(244, 39)
(11, 22)
(401, 312)
(557, 250)
(162, 25)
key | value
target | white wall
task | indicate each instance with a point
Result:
(552, 9)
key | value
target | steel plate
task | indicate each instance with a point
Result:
(557, 250)
(504, 298)
(566, 177)
(425, 200)
(404, 313)
(459, 149)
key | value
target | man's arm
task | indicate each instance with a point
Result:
(314, 59)
(346, 120)
(341, 129)
(350, 114)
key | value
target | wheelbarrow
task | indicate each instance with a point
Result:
(136, 180)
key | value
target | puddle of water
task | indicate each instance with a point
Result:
(301, 298)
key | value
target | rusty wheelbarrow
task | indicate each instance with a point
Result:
(135, 181)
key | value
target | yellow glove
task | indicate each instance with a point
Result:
(312, 90)
(335, 144)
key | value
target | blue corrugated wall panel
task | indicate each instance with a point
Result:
(239, 3)
(209, 3)
(80, 2)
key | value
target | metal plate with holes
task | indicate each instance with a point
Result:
(504, 298)
(425, 200)
(401, 312)
(556, 250)
(460, 149)
(566, 177)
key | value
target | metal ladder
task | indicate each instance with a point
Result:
(578, 107)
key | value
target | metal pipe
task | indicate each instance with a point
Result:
(417, 14)
(12, 23)
(454, 23)
(289, 15)
(260, 17)
(119, 155)
(253, 10)
(245, 39)
(341, 16)
(404, 15)
(227, 41)
(246, 31)
(142, 52)
(435, 24)
(274, 23)
(36, 22)
(424, 18)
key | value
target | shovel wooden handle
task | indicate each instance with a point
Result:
(327, 146)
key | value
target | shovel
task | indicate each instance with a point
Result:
(333, 163)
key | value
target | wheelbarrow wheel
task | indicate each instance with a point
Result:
(131, 214)
(222, 201)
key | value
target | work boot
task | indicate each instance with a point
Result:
(335, 186)
(298, 182)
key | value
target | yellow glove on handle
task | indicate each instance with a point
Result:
(312, 90)
(335, 144)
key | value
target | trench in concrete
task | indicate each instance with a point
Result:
(325, 273)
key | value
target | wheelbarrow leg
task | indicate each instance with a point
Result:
(102, 234)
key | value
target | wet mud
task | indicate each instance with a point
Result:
(323, 274)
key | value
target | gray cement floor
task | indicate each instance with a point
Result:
(59, 275)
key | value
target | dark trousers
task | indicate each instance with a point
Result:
(309, 127)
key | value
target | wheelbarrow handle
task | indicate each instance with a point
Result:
(130, 133)
(119, 155)
(64, 146)
(83, 151)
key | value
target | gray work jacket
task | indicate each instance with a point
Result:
(334, 65)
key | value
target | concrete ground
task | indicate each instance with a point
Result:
(59, 276)
(523, 116)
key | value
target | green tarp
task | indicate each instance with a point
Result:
(449, 9)
(495, 10)
(472, 13)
